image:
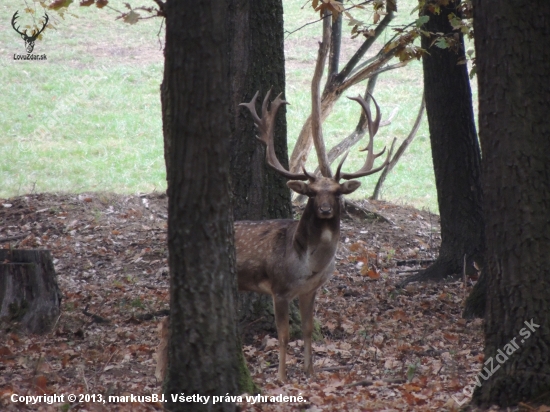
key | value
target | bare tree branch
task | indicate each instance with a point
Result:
(335, 43)
(316, 123)
(400, 151)
(364, 47)
(335, 86)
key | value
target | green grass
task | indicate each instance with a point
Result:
(88, 118)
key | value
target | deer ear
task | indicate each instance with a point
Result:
(350, 186)
(298, 187)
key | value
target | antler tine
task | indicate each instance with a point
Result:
(44, 26)
(13, 20)
(310, 177)
(251, 106)
(266, 102)
(266, 129)
(337, 175)
(373, 126)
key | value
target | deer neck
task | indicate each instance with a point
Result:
(316, 239)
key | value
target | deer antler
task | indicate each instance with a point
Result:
(24, 34)
(367, 168)
(35, 35)
(13, 19)
(266, 128)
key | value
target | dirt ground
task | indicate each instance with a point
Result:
(384, 348)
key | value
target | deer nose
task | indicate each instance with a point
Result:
(325, 209)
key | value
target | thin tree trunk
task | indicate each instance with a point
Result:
(203, 355)
(513, 65)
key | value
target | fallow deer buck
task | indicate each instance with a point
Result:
(289, 258)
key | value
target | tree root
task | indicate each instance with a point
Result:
(441, 270)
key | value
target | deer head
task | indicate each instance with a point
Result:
(290, 259)
(29, 40)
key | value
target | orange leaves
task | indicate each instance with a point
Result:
(40, 383)
(362, 258)
(87, 3)
(358, 246)
(332, 6)
(371, 273)
(399, 315)
(58, 4)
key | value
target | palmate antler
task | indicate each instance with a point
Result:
(266, 128)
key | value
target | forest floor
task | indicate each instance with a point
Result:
(383, 348)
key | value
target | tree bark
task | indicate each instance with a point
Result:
(257, 63)
(513, 66)
(455, 153)
(477, 299)
(203, 356)
(29, 295)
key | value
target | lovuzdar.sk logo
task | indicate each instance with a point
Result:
(29, 40)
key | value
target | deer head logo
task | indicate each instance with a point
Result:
(29, 40)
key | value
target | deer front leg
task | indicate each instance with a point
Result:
(307, 303)
(281, 320)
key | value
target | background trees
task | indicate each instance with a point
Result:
(203, 347)
(455, 149)
(513, 63)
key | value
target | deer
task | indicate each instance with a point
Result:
(29, 40)
(290, 259)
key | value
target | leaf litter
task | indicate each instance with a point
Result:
(383, 348)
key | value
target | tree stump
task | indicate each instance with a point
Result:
(29, 296)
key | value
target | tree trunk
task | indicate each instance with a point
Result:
(513, 65)
(257, 63)
(477, 299)
(455, 153)
(203, 356)
(29, 294)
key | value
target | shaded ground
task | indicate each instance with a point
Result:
(383, 348)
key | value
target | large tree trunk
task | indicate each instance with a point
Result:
(257, 63)
(203, 357)
(513, 61)
(455, 152)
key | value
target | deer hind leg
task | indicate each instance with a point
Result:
(307, 303)
(281, 321)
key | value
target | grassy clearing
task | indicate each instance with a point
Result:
(88, 118)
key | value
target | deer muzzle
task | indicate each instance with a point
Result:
(325, 210)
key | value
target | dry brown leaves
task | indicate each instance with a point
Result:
(384, 348)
